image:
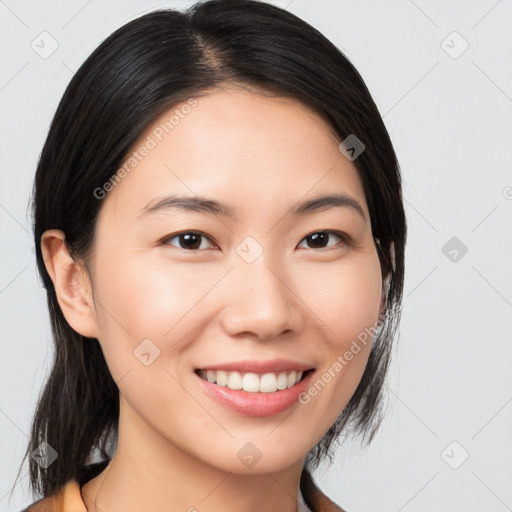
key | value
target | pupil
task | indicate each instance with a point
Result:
(188, 237)
(322, 237)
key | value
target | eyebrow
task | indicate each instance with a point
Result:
(200, 204)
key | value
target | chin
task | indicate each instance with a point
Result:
(248, 458)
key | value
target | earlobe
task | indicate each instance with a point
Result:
(71, 282)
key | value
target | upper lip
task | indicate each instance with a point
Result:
(255, 366)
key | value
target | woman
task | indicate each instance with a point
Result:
(219, 226)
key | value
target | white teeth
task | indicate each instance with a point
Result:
(235, 381)
(268, 383)
(222, 378)
(291, 379)
(282, 381)
(252, 382)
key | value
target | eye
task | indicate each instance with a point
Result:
(318, 239)
(188, 240)
(192, 240)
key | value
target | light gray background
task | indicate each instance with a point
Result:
(450, 119)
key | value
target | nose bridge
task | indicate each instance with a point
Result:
(265, 280)
(260, 299)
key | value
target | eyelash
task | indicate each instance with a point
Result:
(344, 237)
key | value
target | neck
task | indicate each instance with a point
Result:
(148, 473)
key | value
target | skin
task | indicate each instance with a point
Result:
(177, 447)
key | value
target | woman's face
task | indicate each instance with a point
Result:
(264, 283)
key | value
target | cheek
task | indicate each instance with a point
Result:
(345, 298)
(147, 298)
(130, 300)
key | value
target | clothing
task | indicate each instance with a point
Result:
(302, 506)
(69, 498)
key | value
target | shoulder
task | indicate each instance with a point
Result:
(314, 497)
(68, 498)
(52, 503)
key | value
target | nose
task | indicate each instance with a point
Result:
(260, 301)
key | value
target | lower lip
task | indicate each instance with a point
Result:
(256, 404)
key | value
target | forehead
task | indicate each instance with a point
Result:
(246, 149)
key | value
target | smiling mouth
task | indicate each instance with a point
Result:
(270, 382)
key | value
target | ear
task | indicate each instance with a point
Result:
(71, 282)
